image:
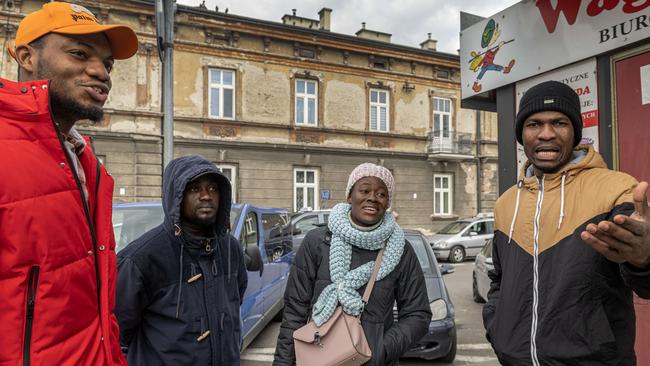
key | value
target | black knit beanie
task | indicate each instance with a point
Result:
(550, 96)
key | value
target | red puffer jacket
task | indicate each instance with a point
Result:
(57, 255)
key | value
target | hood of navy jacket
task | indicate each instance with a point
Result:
(177, 175)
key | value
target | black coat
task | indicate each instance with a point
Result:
(157, 327)
(388, 340)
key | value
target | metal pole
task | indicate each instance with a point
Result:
(168, 8)
(479, 166)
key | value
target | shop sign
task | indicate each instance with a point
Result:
(535, 36)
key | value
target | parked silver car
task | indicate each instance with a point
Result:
(480, 280)
(463, 238)
(304, 221)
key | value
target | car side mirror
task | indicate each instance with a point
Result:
(296, 231)
(488, 260)
(253, 259)
(473, 233)
(446, 269)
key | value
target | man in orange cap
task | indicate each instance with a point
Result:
(57, 258)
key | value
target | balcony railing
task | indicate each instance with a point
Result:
(445, 142)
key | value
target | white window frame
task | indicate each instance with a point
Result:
(378, 105)
(219, 87)
(306, 98)
(304, 187)
(440, 191)
(442, 114)
(233, 179)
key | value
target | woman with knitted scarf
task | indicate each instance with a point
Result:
(334, 263)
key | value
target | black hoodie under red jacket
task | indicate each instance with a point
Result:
(553, 299)
(169, 315)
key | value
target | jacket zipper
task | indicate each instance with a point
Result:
(84, 203)
(98, 176)
(533, 328)
(32, 285)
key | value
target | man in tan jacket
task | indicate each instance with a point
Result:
(572, 241)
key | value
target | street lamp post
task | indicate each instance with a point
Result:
(165, 11)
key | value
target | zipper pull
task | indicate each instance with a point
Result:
(31, 291)
(208, 248)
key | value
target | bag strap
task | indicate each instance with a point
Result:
(373, 277)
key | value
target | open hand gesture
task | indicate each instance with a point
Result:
(625, 238)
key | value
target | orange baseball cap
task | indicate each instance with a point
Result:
(66, 18)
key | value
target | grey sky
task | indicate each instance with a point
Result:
(408, 21)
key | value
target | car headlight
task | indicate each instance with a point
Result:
(440, 244)
(438, 309)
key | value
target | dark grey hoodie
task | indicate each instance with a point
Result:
(178, 295)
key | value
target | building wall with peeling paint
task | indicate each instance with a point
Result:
(262, 143)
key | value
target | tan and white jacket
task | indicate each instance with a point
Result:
(553, 299)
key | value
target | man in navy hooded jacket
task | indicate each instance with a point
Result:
(180, 285)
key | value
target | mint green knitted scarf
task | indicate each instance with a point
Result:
(345, 282)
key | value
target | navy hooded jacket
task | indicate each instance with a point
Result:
(178, 295)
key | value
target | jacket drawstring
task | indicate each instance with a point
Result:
(177, 232)
(228, 235)
(520, 184)
(214, 267)
(562, 203)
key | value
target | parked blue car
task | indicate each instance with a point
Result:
(261, 231)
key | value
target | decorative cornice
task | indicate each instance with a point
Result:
(288, 127)
(289, 60)
(233, 40)
(216, 35)
(310, 148)
(326, 38)
(267, 43)
(258, 146)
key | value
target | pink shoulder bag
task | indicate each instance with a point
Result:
(340, 341)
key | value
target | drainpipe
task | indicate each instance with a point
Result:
(479, 167)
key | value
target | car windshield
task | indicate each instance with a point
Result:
(129, 223)
(454, 227)
(420, 248)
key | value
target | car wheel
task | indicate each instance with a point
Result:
(456, 254)
(477, 297)
(451, 355)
